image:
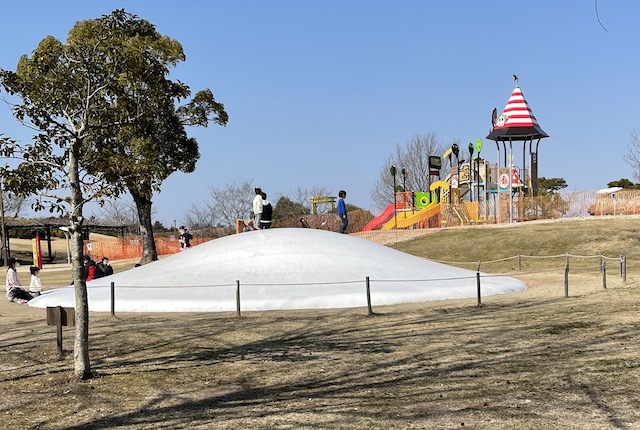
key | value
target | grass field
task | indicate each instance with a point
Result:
(528, 360)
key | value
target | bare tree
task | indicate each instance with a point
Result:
(413, 158)
(303, 196)
(224, 206)
(199, 217)
(12, 204)
(632, 155)
(119, 212)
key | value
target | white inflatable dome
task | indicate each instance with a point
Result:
(289, 268)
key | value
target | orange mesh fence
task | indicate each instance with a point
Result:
(124, 248)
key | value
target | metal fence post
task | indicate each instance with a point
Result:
(604, 275)
(478, 287)
(368, 296)
(113, 299)
(238, 298)
(624, 269)
(566, 280)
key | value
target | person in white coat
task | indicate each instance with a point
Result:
(35, 286)
(257, 207)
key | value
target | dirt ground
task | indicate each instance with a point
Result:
(528, 360)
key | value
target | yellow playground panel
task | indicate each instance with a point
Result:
(407, 219)
(408, 216)
(315, 201)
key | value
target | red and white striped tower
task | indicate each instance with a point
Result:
(517, 123)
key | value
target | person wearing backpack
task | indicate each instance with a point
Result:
(266, 217)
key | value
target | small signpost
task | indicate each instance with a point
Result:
(59, 317)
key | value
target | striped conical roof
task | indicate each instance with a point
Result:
(517, 121)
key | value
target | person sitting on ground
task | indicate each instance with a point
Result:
(35, 286)
(89, 268)
(105, 267)
(248, 225)
(185, 238)
(15, 292)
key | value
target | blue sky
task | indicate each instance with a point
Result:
(319, 93)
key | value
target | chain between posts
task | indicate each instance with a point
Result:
(603, 269)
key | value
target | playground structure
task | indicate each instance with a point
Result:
(322, 200)
(477, 191)
(469, 194)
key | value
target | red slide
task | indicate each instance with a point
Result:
(380, 219)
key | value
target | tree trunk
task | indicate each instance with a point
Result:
(143, 206)
(81, 362)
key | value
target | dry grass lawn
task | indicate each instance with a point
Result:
(529, 360)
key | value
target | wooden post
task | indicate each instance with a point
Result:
(59, 317)
(59, 332)
(368, 296)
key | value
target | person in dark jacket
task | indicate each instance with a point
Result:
(105, 267)
(266, 217)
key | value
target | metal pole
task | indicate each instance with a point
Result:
(510, 181)
(238, 298)
(3, 247)
(59, 329)
(566, 280)
(497, 194)
(368, 296)
(393, 172)
(624, 269)
(478, 287)
(621, 266)
(604, 275)
(113, 298)
(601, 262)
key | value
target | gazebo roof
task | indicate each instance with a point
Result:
(517, 121)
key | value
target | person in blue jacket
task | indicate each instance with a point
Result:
(342, 211)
